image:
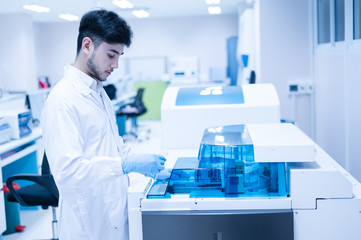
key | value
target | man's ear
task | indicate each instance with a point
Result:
(87, 46)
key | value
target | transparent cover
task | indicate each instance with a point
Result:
(225, 168)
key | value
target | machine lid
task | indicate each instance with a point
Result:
(233, 135)
(273, 142)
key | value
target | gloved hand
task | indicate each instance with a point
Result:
(164, 174)
(148, 164)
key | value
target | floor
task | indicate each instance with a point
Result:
(38, 225)
(38, 222)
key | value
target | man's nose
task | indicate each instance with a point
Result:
(114, 64)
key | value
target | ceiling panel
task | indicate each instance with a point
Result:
(156, 8)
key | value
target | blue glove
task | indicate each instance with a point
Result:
(164, 174)
(148, 164)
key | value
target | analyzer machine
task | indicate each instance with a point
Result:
(251, 181)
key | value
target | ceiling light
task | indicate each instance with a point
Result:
(214, 10)
(68, 17)
(213, 1)
(36, 8)
(123, 4)
(140, 13)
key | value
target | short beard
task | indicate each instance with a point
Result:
(93, 69)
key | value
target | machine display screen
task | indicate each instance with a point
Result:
(210, 96)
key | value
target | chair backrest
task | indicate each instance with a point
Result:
(138, 102)
(45, 168)
(34, 194)
(139, 95)
(111, 91)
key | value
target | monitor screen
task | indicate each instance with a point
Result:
(35, 101)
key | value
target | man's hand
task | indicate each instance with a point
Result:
(148, 164)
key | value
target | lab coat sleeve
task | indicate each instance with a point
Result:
(64, 147)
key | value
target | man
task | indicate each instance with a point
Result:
(87, 157)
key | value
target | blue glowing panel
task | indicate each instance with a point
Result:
(225, 180)
(210, 96)
(225, 167)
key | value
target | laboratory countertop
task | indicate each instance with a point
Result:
(6, 154)
(35, 134)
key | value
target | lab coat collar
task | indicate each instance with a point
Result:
(83, 82)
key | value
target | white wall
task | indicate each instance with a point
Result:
(204, 37)
(338, 83)
(353, 111)
(330, 104)
(285, 52)
(17, 61)
(55, 45)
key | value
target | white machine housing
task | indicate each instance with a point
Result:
(183, 126)
(280, 143)
(324, 198)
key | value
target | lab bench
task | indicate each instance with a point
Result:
(19, 156)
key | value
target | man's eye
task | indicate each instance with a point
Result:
(111, 56)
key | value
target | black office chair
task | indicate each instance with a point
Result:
(111, 91)
(132, 111)
(42, 193)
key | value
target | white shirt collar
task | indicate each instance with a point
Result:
(84, 82)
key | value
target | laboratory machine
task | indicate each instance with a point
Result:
(19, 121)
(250, 181)
(183, 70)
(187, 111)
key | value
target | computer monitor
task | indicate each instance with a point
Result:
(35, 102)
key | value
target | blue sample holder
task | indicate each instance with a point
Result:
(225, 167)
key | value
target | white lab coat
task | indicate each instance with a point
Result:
(85, 153)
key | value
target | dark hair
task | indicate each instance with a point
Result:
(104, 26)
